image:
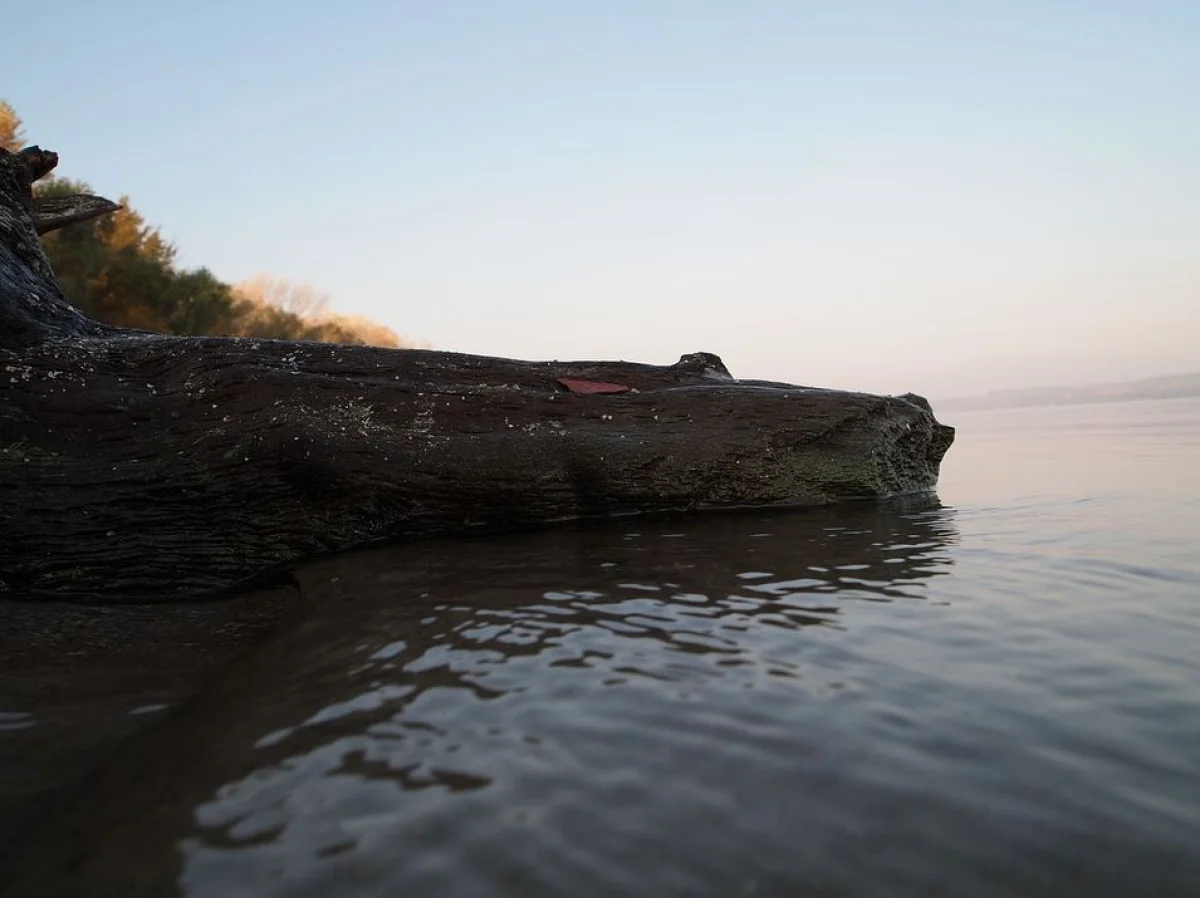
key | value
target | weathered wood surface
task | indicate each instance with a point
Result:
(50, 213)
(32, 308)
(143, 467)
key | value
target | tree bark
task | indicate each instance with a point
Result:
(144, 467)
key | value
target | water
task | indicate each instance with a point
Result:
(997, 694)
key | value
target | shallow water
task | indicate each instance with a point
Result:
(997, 694)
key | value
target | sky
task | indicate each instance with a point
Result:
(885, 195)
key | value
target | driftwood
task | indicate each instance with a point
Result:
(142, 467)
(53, 212)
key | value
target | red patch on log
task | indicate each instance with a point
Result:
(592, 386)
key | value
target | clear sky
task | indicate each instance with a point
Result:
(891, 195)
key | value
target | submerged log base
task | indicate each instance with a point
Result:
(136, 467)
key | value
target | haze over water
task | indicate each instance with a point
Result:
(991, 695)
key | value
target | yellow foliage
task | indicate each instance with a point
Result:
(120, 270)
(263, 311)
(11, 136)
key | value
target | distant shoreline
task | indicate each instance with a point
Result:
(1178, 386)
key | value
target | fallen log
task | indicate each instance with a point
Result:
(140, 467)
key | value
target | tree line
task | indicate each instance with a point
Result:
(119, 270)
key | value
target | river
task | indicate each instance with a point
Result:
(996, 693)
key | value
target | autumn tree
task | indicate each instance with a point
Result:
(299, 299)
(121, 270)
(272, 304)
(12, 137)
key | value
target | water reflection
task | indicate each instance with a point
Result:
(16, 720)
(427, 637)
(843, 701)
(451, 712)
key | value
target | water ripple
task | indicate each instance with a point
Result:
(866, 700)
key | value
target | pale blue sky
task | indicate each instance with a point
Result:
(892, 195)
